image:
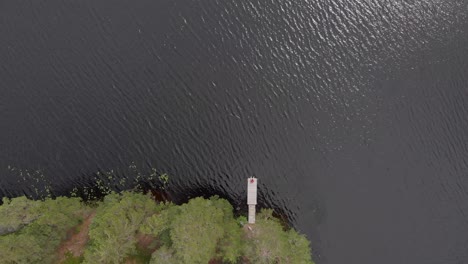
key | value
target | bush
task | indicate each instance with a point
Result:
(70, 259)
(269, 243)
(112, 232)
(199, 231)
(196, 232)
(44, 225)
(163, 255)
(16, 213)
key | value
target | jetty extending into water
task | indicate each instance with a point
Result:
(252, 198)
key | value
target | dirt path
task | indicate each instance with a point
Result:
(76, 241)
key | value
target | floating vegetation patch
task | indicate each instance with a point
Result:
(37, 186)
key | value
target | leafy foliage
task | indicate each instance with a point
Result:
(45, 225)
(298, 248)
(199, 231)
(196, 232)
(16, 213)
(113, 231)
(270, 244)
(164, 255)
(70, 259)
(158, 223)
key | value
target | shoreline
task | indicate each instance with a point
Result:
(147, 227)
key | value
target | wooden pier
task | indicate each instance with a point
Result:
(252, 198)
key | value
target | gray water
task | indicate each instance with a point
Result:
(352, 114)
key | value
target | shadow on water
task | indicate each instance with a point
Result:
(96, 186)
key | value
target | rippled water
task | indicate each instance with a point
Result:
(353, 114)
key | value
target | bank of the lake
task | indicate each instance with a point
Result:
(131, 227)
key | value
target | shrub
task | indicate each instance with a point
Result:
(112, 232)
(196, 232)
(163, 255)
(45, 224)
(17, 213)
(269, 243)
(199, 231)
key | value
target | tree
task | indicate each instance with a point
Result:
(17, 213)
(45, 224)
(269, 243)
(196, 231)
(298, 248)
(231, 245)
(163, 255)
(112, 233)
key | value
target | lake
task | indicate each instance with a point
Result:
(352, 114)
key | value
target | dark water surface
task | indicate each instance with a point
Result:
(353, 114)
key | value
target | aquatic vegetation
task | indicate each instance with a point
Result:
(97, 185)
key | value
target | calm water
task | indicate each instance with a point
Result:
(352, 114)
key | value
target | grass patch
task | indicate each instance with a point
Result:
(70, 259)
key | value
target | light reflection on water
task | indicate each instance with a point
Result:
(351, 114)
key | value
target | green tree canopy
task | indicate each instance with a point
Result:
(112, 233)
(269, 243)
(45, 224)
(196, 232)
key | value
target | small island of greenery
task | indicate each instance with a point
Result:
(131, 227)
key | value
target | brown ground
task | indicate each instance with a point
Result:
(146, 244)
(249, 231)
(76, 241)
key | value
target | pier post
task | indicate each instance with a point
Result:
(252, 198)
